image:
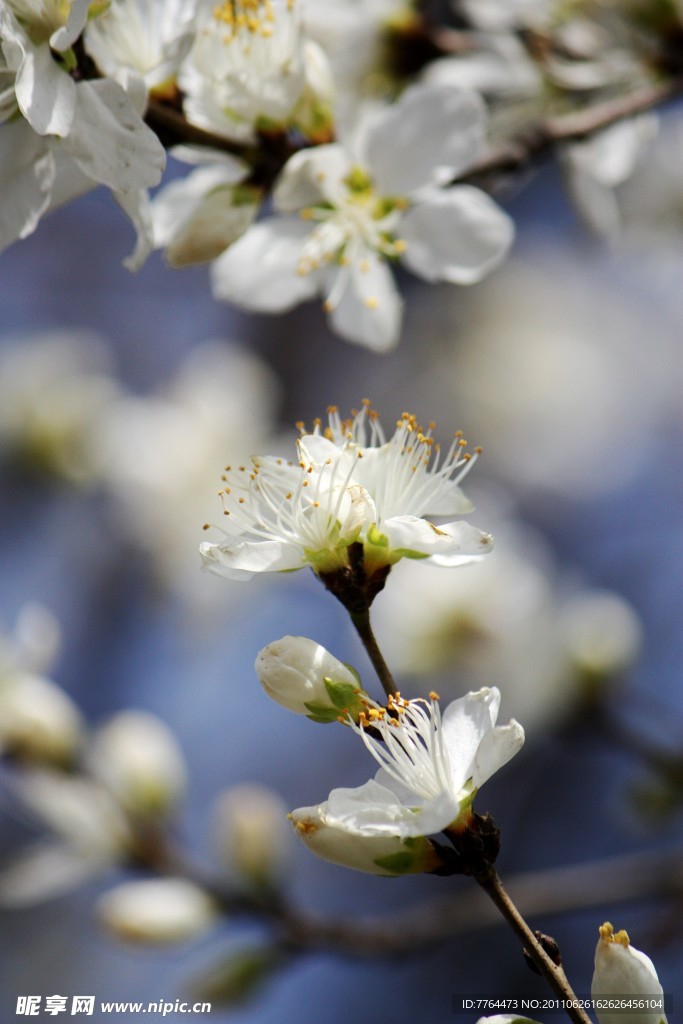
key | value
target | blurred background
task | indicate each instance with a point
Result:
(121, 398)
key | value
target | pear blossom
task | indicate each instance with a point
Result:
(303, 677)
(349, 486)
(195, 218)
(158, 911)
(352, 208)
(246, 67)
(149, 38)
(96, 123)
(430, 768)
(90, 836)
(251, 835)
(622, 971)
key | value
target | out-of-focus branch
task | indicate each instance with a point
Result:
(540, 140)
(556, 891)
(533, 144)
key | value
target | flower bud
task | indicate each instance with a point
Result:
(602, 633)
(376, 855)
(159, 911)
(252, 834)
(38, 721)
(302, 676)
(621, 970)
(138, 759)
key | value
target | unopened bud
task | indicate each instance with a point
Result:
(375, 855)
(305, 678)
(38, 721)
(602, 633)
(622, 971)
(159, 911)
(253, 837)
(138, 759)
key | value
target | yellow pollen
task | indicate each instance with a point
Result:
(371, 302)
(206, 526)
(433, 695)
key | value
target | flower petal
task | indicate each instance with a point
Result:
(465, 723)
(431, 134)
(311, 177)
(259, 271)
(242, 560)
(374, 809)
(457, 235)
(495, 750)
(364, 304)
(46, 94)
(27, 173)
(412, 534)
(110, 142)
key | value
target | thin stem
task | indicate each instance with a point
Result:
(361, 621)
(553, 973)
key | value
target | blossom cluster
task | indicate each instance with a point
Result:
(359, 127)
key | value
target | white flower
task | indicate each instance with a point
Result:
(158, 911)
(138, 760)
(252, 836)
(622, 971)
(161, 450)
(197, 217)
(381, 199)
(348, 486)
(147, 37)
(91, 835)
(94, 123)
(430, 767)
(386, 855)
(246, 68)
(305, 678)
(37, 719)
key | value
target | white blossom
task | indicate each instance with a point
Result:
(158, 911)
(430, 768)
(251, 834)
(147, 37)
(195, 218)
(352, 209)
(622, 971)
(349, 485)
(246, 68)
(305, 678)
(138, 760)
(38, 720)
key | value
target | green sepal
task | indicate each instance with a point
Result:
(240, 977)
(321, 713)
(376, 537)
(404, 862)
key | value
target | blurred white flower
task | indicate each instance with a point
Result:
(246, 68)
(571, 337)
(38, 721)
(138, 760)
(430, 768)
(195, 218)
(54, 389)
(597, 166)
(515, 621)
(33, 644)
(147, 37)
(95, 125)
(91, 836)
(161, 452)
(159, 911)
(349, 485)
(352, 209)
(252, 835)
(622, 971)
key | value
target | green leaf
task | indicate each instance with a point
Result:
(240, 977)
